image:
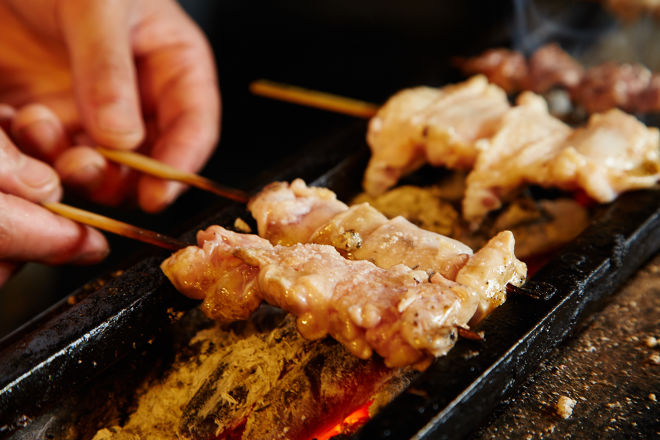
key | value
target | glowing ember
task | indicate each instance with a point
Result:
(350, 423)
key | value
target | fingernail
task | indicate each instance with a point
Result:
(158, 195)
(95, 247)
(38, 175)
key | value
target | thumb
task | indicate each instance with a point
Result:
(97, 36)
(24, 176)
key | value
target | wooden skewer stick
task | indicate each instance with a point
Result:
(471, 335)
(313, 98)
(155, 168)
(115, 226)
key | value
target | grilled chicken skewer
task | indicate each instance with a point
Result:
(296, 213)
(398, 312)
(470, 125)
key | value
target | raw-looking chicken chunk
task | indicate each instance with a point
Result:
(438, 126)
(526, 138)
(613, 153)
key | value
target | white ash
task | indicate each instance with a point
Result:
(565, 406)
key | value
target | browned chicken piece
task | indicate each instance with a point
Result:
(526, 138)
(631, 87)
(438, 126)
(490, 270)
(611, 85)
(504, 67)
(395, 312)
(550, 66)
(362, 233)
(613, 153)
(649, 100)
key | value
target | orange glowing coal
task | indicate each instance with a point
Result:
(350, 423)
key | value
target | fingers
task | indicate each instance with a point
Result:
(97, 35)
(39, 132)
(90, 174)
(31, 233)
(24, 176)
(180, 79)
(6, 271)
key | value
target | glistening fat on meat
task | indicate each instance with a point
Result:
(398, 312)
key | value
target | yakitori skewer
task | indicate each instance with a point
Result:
(158, 169)
(313, 98)
(115, 226)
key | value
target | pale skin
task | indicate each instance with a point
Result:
(125, 74)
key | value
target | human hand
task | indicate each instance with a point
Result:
(126, 74)
(29, 232)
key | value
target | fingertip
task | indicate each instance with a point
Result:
(154, 195)
(118, 125)
(94, 249)
(82, 168)
(38, 181)
(38, 131)
(6, 271)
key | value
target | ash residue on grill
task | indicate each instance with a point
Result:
(611, 370)
(260, 379)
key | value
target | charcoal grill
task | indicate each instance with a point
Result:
(66, 351)
(50, 365)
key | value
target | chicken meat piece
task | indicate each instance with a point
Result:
(550, 66)
(613, 153)
(360, 232)
(396, 312)
(649, 99)
(290, 213)
(527, 137)
(611, 85)
(631, 87)
(503, 67)
(490, 270)
(438, 126)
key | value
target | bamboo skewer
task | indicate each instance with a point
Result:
(158, 169)
(313, 98)
(116, 227)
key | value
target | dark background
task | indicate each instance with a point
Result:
(362, 49)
